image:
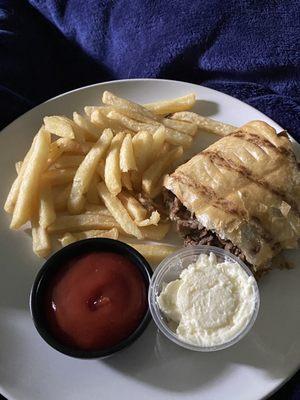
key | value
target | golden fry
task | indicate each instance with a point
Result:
(82, 222)
(28, 192)
(155, 232)
(91, 131)
(112, 172)
(14, 190)
(152, 175)
(127, 158)
(85, 172)
(47, 214)
(154, 253)
(41, 244)
(69, 161)
(60, 197)
(118, 211)
(60, 125)
(173, 105)
(56, 177)
(204, 123)
(133, 206)
(69, 238)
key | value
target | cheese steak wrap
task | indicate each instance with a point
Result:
(242, 194)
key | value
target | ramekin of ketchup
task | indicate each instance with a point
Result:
(89, 299)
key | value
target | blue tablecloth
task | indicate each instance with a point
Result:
(246, 48)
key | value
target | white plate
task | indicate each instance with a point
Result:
(153, 367)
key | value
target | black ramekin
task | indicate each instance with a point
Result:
(58, 260)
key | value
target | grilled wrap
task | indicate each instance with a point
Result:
(244, 190)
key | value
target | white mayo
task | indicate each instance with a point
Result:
(211, 302)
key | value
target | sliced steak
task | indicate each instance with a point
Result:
(192, 231)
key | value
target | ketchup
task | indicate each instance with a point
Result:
(95, 301)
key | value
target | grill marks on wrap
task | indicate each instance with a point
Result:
(217, 159)
(261, 142)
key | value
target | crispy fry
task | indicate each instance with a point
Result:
(159, 137)
(204, 123)
(97, 208)
(112, 172)
(92, 195)
(154, 253)
(56, 177)
(14, 190)
(126, 105)
(47, 214)
(188, 128)
(100, 169)
(60, 197)
(152, 175)
(85, 172)
(142, 147)
(41, 245)
(155, 232)
(69, 161)
(99, 118)
(152, 220)
(118, 211)
(173, 105)
(91, 131)
(126, 181)
(127, 158)
(63, 126)
(28, 192)
(82, 222)
(69, 238)
(133, 206)
(172, 136)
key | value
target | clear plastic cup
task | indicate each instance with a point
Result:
(170, 269)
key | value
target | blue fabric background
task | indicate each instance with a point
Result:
(249, 49)
(246, 48)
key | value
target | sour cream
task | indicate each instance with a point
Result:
(211, 303)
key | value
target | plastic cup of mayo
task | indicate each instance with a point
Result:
(203, 298)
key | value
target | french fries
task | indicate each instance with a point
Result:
(142, 147)
(60, 197)
(127, 158)
(55, 177)
(28, 192)
(68, 161)
(98, 175)
(64, 127)
(14, 190)
(118, 211)
(173, 105)
(91, 131)
(154, 253)
(82, 222)
(112, 172)
(85, 172)
(204, 123)
(152, 220)
(133, 206)
(69, 238)
(155, 232)
(47, 214)
(97, 208)
(92, 195)
(124, 104)
(153, 174)
(41, 244)
(172, 136)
